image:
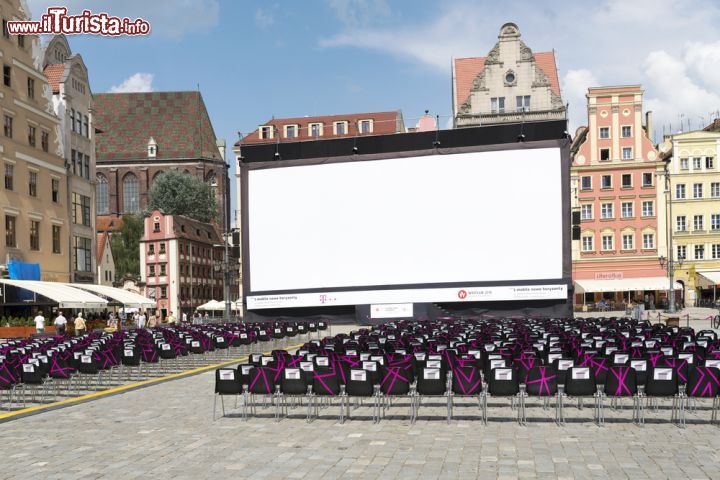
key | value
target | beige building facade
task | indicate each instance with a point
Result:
(33, 195)
(72, 102)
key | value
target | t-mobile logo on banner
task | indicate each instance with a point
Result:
(57, 21)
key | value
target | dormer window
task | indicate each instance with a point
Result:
(365, 126)
(266, 132)
(340, 128)
(315, 129)
(152, 148)
(291, 131)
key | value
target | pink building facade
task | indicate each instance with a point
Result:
(618, 184)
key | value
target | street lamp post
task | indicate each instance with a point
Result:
(670, 263)
(226, 258)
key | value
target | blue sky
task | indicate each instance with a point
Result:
(258, 59)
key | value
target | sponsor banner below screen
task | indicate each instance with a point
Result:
(391, 310)
(417, 295)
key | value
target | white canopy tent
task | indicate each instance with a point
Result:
(212, 305)
(65, 295)
(125, 297)
(624, 285)
(709, 279)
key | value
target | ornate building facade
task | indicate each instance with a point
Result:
(511, 84)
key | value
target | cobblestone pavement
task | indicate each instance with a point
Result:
(167, 431)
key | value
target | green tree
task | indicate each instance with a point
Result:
(177, 193)
(126, 246)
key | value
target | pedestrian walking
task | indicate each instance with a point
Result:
(141, 320)
(80, 325)
(60, 323)
(39, 322)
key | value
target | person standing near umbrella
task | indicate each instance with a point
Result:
(39, 322)
(80, 326)
(60, 323)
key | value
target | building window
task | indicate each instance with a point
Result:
(86, 126)
(587, 244)
(681, 223)
(31, 135)
(699, 252)
(626, 180)
(163, 292)
(606, 210)
(32, 183)
(647, 179)
(628, 241)
(55, 185)
(715, 251)
(340, 128)
(161, 250)
(21, 41)
(680, 191)
(648, 241)
(45, 141)
(697, 190)
(8, 126)
(101, 194)
(9, 175)
(291, 131)
(73, 161)
(10, 229)
(31, 88)
(586, 183)
(604, 154)
(715, 189)
(163, 269)
(586, 211)
(34, 235)
(131, 194)
(56, 238)
(684, 165)
(648, 209)
(5, 32)
(709, 163)
(697, 163)
(86, 161)
(522, 103)
(7, 75)
(497, 105)
(627, 153)
(151, 249)
(604, 132)
(82, 249)
(606, 181)
(682, 252)
(156, 226)
(78, 122)
(316, 129)
(715, 221)
(81, 209)
(626, 131)
(626, 209)
(151, 270)
(607, 242)
(698, 222)
(266, 132)
(72, 119)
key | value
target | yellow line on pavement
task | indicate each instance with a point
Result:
(130, 386)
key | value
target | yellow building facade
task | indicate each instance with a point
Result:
(694, 212)
(33, 193)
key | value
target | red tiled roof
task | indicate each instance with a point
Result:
(383, 123)
(466, 69)
(178, 121)
(54, 73)
(101, 240)
(108, 223)
(714, 126)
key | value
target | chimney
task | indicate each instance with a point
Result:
(648, 124)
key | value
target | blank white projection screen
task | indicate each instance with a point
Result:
(468, 217)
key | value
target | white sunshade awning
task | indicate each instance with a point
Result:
(212, 305)
(125, 297)
(65, 295)
(624, 285)
(708, 279)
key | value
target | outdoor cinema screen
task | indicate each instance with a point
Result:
(327, 233)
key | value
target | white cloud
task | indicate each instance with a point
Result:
(677, 97)
(263, 19)
(168, 18)
(703, 60)
(575, 85)
(139, 82)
